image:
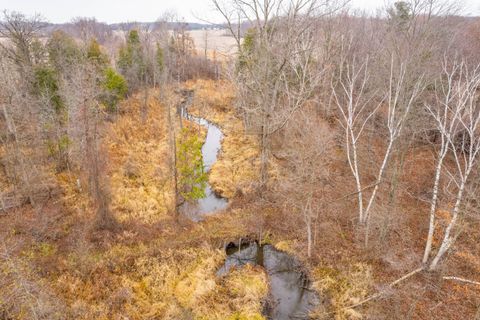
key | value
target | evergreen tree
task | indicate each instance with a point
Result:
(115, 88)
(95, 54)
(247, 48)
(400, 14)
(191, 177)
(131, 60)
(46, 88)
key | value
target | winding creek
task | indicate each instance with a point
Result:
(291, 296)
(210, 150)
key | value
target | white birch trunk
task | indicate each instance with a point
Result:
(447, 238)
(433, 206)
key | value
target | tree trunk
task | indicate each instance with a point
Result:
(375, 190)
(19, 158)
(307, 214)
(433, 206)
(173, 150)
(145, 102)
(354, 167)
(264, 154)
(447, 239)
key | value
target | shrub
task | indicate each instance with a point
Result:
(115, 88)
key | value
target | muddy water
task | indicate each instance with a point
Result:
(210, 150)
(291, 296)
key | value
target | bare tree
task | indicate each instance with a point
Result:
(357, 105)
(280, 39)
(15, 112)
(356, 110)
(446, 115)
(22, 33)
(400, 97)
(464, 147)
(165, 69)
(24, 160)
(307, 149)
(87, 29)
(82, 93)
(148, 50)
(182, 49)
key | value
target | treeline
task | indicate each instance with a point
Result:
(58, 93)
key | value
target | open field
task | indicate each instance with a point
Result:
(214, 40)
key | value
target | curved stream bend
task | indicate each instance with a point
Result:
(210, 150)
(290, 294)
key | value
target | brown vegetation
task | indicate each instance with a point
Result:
(359, 157)
(237, 167)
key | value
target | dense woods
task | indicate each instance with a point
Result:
(350, 141)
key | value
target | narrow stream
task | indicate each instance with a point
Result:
(210, 150)
(291, 296)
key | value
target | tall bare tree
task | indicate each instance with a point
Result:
(278, 42)
(400, 97)
(356, 110)
(22, 33)
(357, 104)
(463, 110)
(82, 96)
(448, 93)
(25, 158)
(307, 149)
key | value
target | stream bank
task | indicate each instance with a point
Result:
(212, 202)
(290, 296)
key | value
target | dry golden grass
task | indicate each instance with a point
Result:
(173, 274)
(154, 268)
(141, 183)
(287, 246)
(344, 288)
(238, 163)
(155, 282)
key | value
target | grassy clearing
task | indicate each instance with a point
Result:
(141, 183)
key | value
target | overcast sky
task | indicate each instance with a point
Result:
(147, 10)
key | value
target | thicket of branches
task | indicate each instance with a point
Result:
(401, 81)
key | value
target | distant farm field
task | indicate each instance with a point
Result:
(214, 40)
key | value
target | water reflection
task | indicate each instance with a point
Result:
(290, 294)
(210, 150)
